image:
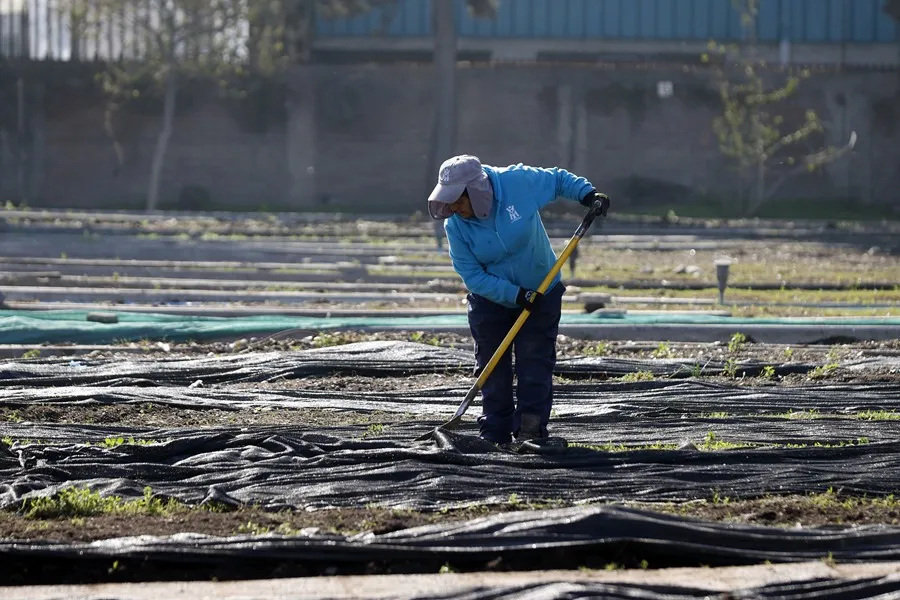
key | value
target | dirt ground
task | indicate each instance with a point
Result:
(147, 415)
(779, 511)
(566, 347)
(159, 416)
(822, 510)
(150, 415)
(774, 262)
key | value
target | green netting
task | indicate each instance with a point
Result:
(67, 326)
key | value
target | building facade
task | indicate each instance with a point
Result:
(825, 31)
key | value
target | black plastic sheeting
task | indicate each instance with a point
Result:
(306, 470)
(289, 466)
(295, 466)
(578, 530)
(612, 398)
(828, 589)
(633, 433)
(668, 411)
(378, 358)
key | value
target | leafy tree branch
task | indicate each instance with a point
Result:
(752, 130)
(161, 45)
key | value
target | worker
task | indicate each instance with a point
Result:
(500, 249)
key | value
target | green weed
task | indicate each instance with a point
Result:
(730, 368)
(76, 502)
(823, 371)
(375, 429)
(662, 351)
(637, 376)
(115, 442)
(736, 342)
(324, 340)
(598, 349)
(713, 442)
(253, 528)
(811, 413)
(613, 447)
(877, 415)
(419, 338)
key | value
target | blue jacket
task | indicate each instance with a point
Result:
(510, 249)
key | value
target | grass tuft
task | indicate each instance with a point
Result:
(77, 502)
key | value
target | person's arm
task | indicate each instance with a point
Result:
(477, 280)
(551, 183)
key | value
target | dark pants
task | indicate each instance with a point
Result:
(535, 354)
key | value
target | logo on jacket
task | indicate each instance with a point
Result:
(513, 215)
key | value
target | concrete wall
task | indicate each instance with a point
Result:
(879, 55)
(358, 137)
(210, 148)
(606, 123)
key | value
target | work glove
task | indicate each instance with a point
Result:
(597, 202)
(529, 299)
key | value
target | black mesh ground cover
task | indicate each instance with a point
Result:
(625, 431)
(298, 466)
(578, 530)
(378, 358)
(294, 466)
(590, 536)
(314, 470)
(883, 588)
(597, 401)
(825, 589)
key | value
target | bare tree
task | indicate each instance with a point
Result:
(172, 42)
(445, 51)
(169, 43)
(445, 58)
(444, 126)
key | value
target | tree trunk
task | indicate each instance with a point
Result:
(444, 127)
(742, 188)
(22, 145)
(758, 195)
(445, 69)
(165, 134)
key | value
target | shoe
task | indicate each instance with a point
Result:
(498, 445)
(493, 441)
(530, 428)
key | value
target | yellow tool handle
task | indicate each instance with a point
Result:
(504, 345)
(489, 368)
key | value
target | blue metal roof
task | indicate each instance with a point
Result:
(814, 21)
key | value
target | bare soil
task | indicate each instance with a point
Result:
(156, 415)
(566, 347)
(244, 521)
(148, 415)
(756, 261)
(777, 511)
